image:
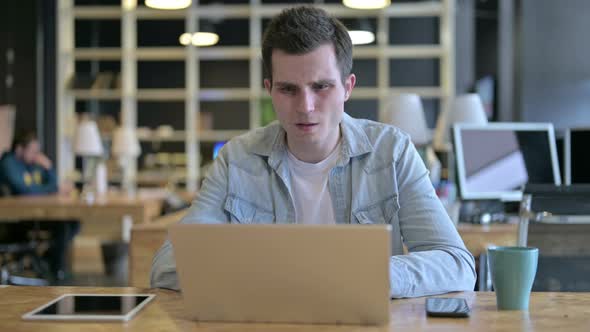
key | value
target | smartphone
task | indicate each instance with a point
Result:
(447, 307)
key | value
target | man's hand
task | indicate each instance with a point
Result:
(43, 161)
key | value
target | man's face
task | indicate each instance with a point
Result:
(308, 95)
(29, 152)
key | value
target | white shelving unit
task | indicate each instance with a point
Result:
(129, 54)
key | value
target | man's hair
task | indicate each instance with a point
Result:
(303, 29)
(23, 138)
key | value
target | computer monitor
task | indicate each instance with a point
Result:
(576, 155)
(216, 147)
(496, 160)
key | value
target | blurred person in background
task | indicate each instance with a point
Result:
(25, 170)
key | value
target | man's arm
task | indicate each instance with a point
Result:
(438, 261)
(207, 208)
(50, 179)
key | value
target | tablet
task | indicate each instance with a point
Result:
(118, 307)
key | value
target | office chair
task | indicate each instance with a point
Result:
(20, 260)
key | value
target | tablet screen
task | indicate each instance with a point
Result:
(88, 306)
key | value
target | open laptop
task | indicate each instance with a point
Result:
(332, 274)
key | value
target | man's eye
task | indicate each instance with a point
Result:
(323, 86)
(287, 89)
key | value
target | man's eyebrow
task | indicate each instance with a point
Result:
(285, 84)
(291, 85)
(325, 81)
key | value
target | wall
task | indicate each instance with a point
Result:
(28, 28)
(17, 23)
(555, 62)
(464, 45)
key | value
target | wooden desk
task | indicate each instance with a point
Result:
(478, 237)
(54, 207)
(146, 239)
(562, 312)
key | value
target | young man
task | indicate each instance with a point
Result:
(318, 165)
(25, 170)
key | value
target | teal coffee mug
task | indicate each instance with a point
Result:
(513, 272)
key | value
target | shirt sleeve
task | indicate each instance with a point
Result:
(438, 261)
(206, 208)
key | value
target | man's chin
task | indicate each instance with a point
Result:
(302, 137)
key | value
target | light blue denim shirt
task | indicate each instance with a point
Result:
(379, 179)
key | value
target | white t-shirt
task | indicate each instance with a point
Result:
(309, 185)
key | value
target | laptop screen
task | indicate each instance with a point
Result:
(495, 161)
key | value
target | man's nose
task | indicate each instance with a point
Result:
(306, 102)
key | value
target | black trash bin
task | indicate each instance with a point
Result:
(115, 256)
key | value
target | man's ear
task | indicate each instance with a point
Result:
(348, 86)
(267, 85)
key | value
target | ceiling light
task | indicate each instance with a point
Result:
(366, 4)
(185, 38)
(360, 37)
(205, 38)
(199, 38)
(168, 4)
(361, 31)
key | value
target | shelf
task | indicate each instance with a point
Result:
(203, 136)
(421, 9)
(374, 93)
(88, 94)
(399, 52)
(234, 94)
(422, 91)
(239, 94)
(103, 53)
(424, 9)
(191, 93)
(243, 53)
(153, 177)
(163, 53)
(180, 136)
(97, 12)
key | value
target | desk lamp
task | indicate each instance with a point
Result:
(407, 114)
(126, 147)
(466, 108)
(88, 145)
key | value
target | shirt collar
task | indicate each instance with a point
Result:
(271, 142)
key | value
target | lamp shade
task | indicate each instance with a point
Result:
(125, 143)
(466, 108)
(88, 142)
(407, 114)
